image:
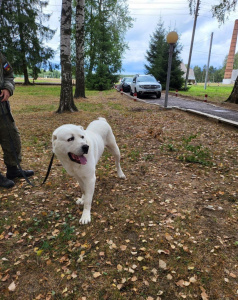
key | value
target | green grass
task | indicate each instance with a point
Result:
(134, 155)
(38, 108)
(116, 106)
(215, 92)
(37, 90)
(47, 91)
(90, 107)
(191, 153)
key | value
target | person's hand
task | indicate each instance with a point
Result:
(5, 94)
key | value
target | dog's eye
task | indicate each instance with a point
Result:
(82, 137)
(70, 139)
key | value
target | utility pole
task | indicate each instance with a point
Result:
(208, 61)
(191, 46)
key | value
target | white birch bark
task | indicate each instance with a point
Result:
(66, 94)
(80, 78)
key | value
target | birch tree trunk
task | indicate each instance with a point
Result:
(66, 94)
(92, 45)
(79, 36)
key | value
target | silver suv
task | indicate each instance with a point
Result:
(145, 85)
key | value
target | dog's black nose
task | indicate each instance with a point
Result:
(85, 149)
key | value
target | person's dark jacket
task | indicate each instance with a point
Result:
(6, 76)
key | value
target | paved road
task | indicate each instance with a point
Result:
(198, 107)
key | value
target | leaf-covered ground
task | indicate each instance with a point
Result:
(169, 231)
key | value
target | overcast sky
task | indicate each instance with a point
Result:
(175, 15)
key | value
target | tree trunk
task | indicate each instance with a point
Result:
(66, 94)
(26, 77)
(23, 51)
(92, 46)
(80, 80)
(233, 98)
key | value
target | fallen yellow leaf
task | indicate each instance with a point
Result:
(12, 287)
(97, 274)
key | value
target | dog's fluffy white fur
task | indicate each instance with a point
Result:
(79, 151)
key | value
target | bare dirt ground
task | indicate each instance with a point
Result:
(169, 231)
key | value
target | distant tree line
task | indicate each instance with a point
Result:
(50, 73)
(43, 73)
(214, 74)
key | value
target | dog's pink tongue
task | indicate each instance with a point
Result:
(83, 160)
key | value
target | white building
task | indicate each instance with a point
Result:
(191, 76)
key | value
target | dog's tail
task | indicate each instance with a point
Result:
(102, 119)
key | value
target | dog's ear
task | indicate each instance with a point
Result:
(54, 138)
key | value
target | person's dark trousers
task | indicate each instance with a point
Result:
(8, 129)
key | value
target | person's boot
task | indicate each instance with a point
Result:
(5, 182)
(14, 172)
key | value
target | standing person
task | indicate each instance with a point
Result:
(8, 127)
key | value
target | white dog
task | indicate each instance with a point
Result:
(79, 151)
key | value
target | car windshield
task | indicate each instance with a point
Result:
(146, 79)
(128, 79)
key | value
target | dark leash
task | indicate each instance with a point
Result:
(14, 150)
(49, 168)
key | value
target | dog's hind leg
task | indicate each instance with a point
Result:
(113, 148)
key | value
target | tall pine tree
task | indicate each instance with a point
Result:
(22, 34)
(157, 57)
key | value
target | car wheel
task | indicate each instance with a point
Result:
(131, 92)
(139, 94)
(158, 95)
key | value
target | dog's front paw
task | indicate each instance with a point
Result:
(86, 217)
(79, 201)
(122, 175)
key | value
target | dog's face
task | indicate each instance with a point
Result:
(69, 142)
